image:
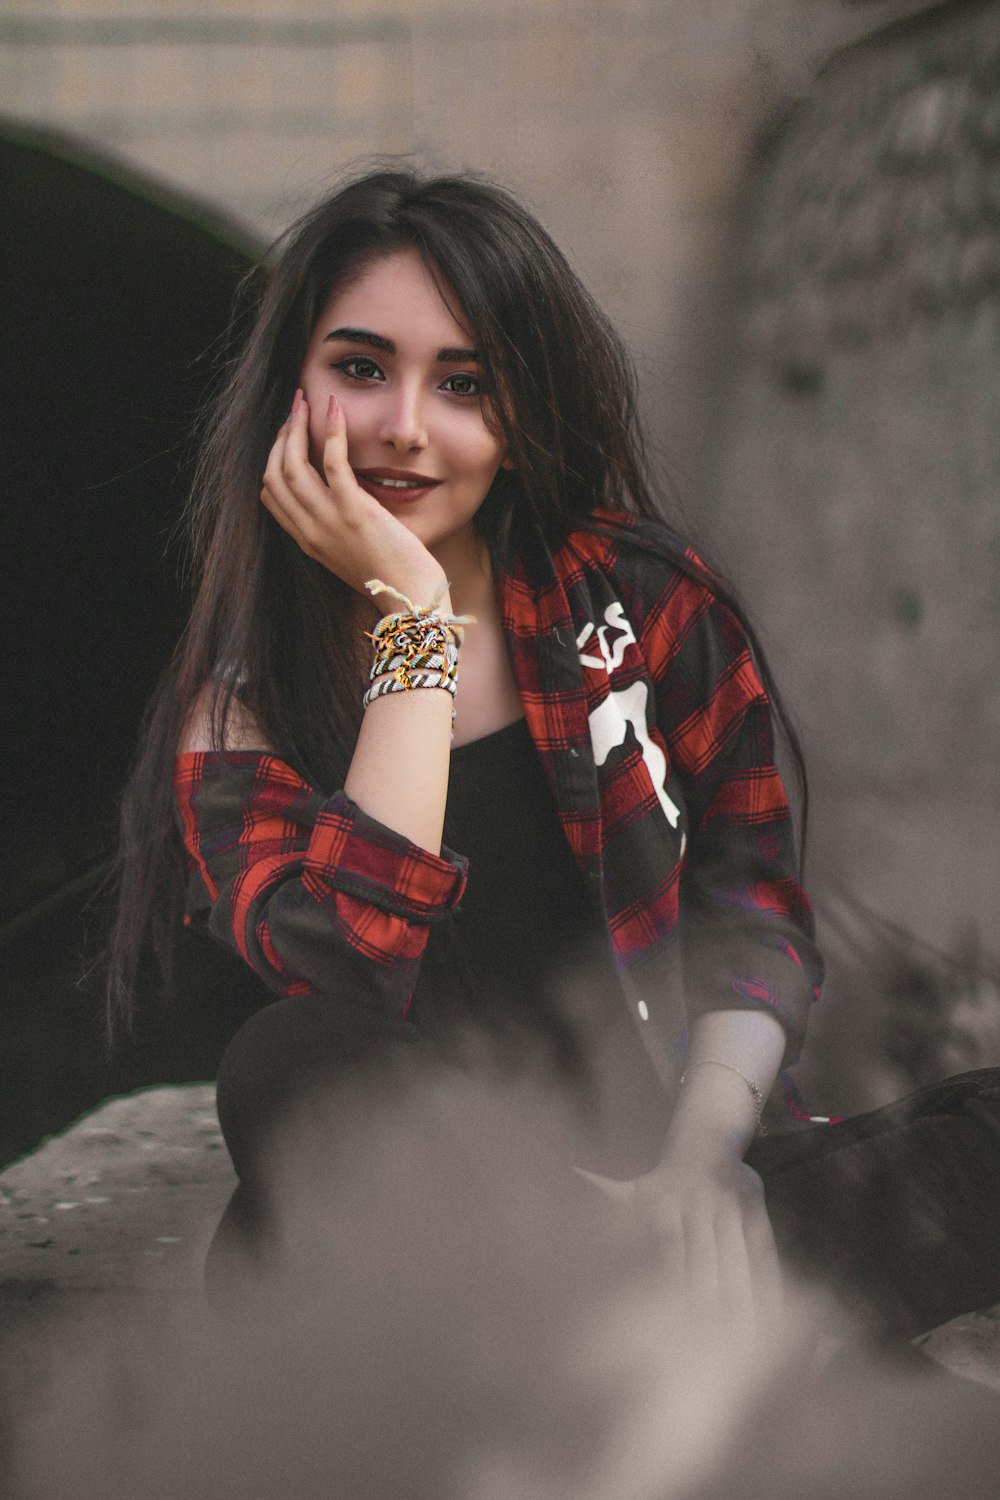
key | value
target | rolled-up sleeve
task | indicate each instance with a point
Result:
(748, 931)
(314, 894)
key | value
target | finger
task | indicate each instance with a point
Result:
(701, 1256)
(670, 1234)
(335, 464)
(277, 494)
(736, 1279)
(294, 490)
(276, 458)
(296, 437)
(283, 512)
(662, 1218)
(765, 1265)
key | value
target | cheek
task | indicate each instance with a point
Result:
(492, 456)
(476, 450)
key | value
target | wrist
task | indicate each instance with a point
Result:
(703, 1148)
(420, 584)
(714, 1118)
(743, 1077)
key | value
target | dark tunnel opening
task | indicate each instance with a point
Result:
(116, 300)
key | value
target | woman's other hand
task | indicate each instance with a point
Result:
(715, 1237)
(332, 519)
(706, 1204)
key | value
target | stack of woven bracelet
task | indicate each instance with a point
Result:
(416, 647)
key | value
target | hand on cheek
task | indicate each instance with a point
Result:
(326, 512)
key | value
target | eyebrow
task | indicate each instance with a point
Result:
(371, 340)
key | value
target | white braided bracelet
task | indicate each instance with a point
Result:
(385, 685)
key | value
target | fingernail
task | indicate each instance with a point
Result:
(296, 403)
(333, 409)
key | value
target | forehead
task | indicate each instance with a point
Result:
(394, 295)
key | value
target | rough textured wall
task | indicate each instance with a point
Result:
(860, 461)
(625, 123)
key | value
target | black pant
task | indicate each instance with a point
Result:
(898, 1208)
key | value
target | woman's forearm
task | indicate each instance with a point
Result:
(716, 1115)
(708, 1203)
(399, 770)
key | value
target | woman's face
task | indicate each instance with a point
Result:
(412, 390)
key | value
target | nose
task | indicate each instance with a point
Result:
(403, 424)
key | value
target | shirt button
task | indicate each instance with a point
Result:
(644, 1010)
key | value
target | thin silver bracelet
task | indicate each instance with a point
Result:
(755, 1093)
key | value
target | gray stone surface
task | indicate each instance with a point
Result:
(105, 1226)
(969, 1346)
(126, 1199)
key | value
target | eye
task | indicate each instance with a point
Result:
(462, 384)
(359, 367)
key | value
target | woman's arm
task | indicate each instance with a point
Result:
(399, 771)
(313, 893)
(717, 1111)
(707, 1204)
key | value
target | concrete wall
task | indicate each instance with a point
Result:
(858, 466)
(627, 124)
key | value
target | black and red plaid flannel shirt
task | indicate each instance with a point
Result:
(654, 730)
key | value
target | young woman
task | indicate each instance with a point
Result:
(463, 739)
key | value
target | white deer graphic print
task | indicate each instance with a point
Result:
(609, 721)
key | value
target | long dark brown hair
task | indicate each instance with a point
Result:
(565, 398)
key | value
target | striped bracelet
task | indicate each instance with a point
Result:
(393, 684)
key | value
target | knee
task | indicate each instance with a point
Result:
(293, 1056)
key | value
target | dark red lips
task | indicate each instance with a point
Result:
(403, 484)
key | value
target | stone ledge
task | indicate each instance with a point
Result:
(125, 1199)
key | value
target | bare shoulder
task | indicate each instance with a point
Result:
(242, 731)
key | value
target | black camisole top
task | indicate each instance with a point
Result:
(525, 918)
(526, 960)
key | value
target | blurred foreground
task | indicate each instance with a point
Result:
(480, 1336)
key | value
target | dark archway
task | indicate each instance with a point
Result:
(116, 295)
